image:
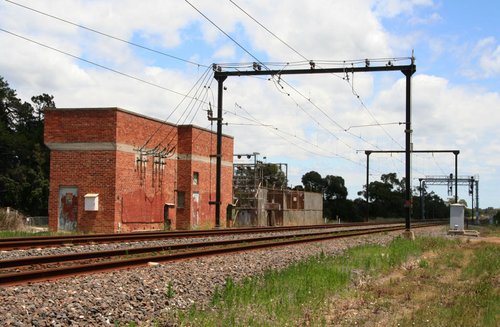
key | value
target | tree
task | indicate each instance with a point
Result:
(42, 102)
(334, 188)
(313, 182)
(272, 175)
(335, 202)
(496, 218)
(386, 196)
(392, 179)
(24, 168)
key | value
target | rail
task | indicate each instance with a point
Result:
(161, 254)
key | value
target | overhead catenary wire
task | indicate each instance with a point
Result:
(96, 64)
(323, 61)
(277, 130)
(93, 30)
(372, 125)
(261, 63)
(236, 42)
(269, 31)
(311, 116)
(200, 86)
(223, 32)
(185, 96)
(340, 127)
(356, 94)
(330, 118)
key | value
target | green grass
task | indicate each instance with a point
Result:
(273, 299)
(21, 233)
(298, 295)
(375, 259)
(8, 233)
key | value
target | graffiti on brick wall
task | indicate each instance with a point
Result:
(68, 208)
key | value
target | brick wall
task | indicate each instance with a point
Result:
(143, 187)
(73, 125)
(201, 145)
(89, 172)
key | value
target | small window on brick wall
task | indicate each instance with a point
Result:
(181, 199)
(196, 176)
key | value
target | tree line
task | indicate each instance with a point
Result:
(386, 198)
(24, 164)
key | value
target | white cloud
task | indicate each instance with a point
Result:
(225, 53)
(392, 8)
(483, 59)
(447, 116)
(490, 61)
(318, 30)
(431, 19)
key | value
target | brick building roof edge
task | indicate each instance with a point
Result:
(136, 114)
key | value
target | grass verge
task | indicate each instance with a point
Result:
(16, 233)
(302, 294)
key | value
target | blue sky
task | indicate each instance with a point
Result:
(456, 97)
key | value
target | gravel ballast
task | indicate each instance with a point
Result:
(142, 294)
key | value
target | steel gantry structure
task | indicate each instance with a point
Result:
(471, 181)
(368, 152)
(407, 70)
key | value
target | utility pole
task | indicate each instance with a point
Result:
(408, 148)
(218, 165)
(367, 152)
(456, 174)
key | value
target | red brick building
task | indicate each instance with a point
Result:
(113, 170)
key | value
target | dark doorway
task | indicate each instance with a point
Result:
(167, 222)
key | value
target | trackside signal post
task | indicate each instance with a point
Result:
(407, 70)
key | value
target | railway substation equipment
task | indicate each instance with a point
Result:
(31, 269)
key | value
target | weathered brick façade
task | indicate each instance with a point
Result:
(95, 154)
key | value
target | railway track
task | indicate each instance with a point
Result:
(14, 243)
(33, 269)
